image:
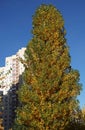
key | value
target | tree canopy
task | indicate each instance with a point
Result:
(48, 96)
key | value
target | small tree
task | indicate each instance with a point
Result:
(1, 122)
(83, 114)
(1, 114)
(49, 92)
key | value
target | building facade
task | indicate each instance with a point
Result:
(9, 84)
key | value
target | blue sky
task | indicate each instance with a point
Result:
(16, 26)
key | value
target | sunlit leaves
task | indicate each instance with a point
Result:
(48, 94)
(46, 21)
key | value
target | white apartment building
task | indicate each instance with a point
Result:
(2, 76)
(9, 79)
(13, 69)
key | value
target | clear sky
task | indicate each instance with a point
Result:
(16, 26)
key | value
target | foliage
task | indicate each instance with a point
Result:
(48, 96)
(83, 114)
(1, 127)
(78, 121)
(1, 113)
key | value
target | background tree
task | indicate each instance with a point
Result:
(50, 87)
(1, 111)
(83, 114)
(1, 114)
(76, 122)
(1, 122)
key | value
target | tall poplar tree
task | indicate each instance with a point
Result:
(50, 87)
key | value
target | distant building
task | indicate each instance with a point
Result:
(9, 83)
